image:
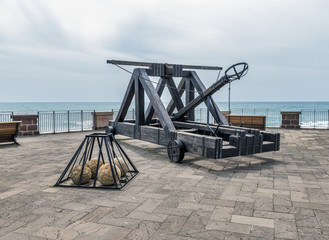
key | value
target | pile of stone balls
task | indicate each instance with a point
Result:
(104, 174)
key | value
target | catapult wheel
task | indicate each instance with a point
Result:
(176, 151)
(110, 129)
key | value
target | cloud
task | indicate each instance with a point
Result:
(61, 47)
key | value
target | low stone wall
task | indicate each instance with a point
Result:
(29, 126)
(101, 119)
(290, 119)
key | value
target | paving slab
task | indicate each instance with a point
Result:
(273, 195)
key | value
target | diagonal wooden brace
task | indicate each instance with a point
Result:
(156, 102)
(201, 98)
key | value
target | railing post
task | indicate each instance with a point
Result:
(94, 120)
(38, 121)
(68, 121)
(328, 119)
(81, 120)
(54, 122)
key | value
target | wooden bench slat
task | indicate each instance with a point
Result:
(235, 121)
(4, 126)
(10, 123)
(8, 127)
(7, 132)
(4, 140)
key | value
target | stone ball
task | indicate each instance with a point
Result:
(122, 165)
(92, 164)
(76, 172)
(105, 175)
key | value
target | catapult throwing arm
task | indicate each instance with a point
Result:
(150, 65)
(239, 70)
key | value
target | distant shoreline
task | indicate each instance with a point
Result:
(216, 102)
(34, 107)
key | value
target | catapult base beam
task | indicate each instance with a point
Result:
(233, 141)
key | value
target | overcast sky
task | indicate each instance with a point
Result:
(57, 50)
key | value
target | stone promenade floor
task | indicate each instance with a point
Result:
(275, 195)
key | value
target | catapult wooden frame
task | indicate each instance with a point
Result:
(205, 139)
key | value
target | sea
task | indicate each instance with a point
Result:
(35, 107)
(313, 114)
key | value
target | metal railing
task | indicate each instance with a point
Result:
(130, 114)
(314, 118)
(6, 116)
(67, 121)
(273, 116)
(308, 118)
(64, 121)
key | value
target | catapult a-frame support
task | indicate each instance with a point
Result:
(140, 83)
(189, 84)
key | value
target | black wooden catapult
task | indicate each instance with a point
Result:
(179, 131)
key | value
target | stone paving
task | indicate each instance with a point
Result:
(274, 195)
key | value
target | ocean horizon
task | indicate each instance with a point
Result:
(35, 107)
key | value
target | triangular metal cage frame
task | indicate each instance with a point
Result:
(108, 150)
